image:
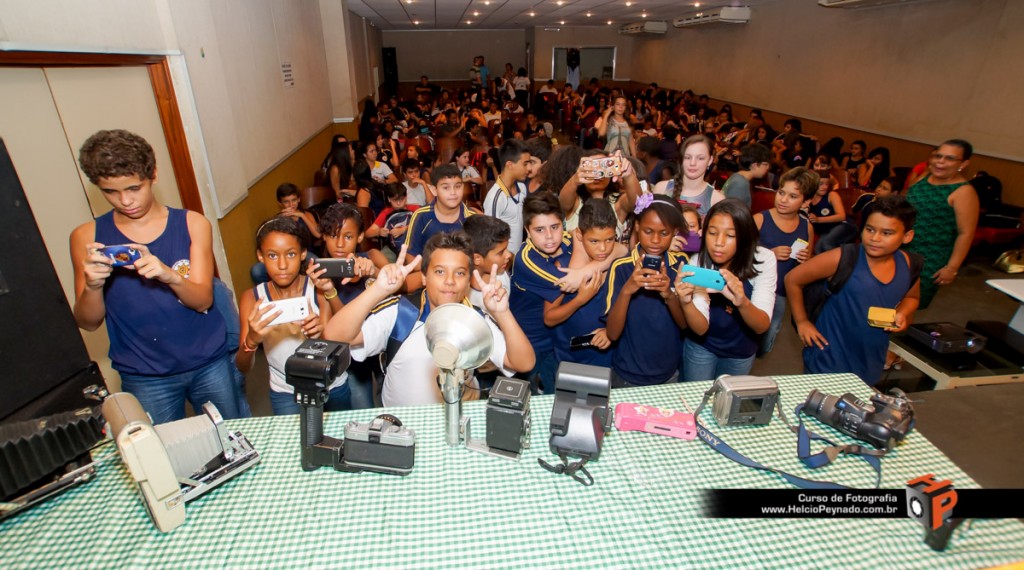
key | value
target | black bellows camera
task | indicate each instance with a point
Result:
(882, 424)
(383, 445)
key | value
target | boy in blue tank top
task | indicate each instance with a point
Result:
(780, 229)
(164, 341)
(841, 340)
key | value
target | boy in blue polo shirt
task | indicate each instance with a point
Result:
(445, 214)
(535, 276)
(582, 314)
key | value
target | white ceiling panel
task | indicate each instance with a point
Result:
(505, 14)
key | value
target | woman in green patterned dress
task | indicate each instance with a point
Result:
(947, 215)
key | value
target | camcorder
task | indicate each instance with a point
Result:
(743, 400)
(882, 423)
(382, 446)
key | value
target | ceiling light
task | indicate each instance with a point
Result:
(476, 13)
(560, 2)
(589, 14)
(628, 4)
(532, 14)
(696, 4)
(643, 15)
(562, 22)
(469, 21)
(415, 22)
(487, 2)
(609, 22)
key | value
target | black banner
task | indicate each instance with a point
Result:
(853, 503)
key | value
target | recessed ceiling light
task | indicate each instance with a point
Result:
(532, 14)
(416, 22)
(476, 13)
(628, 4)
(589, 14)
(469, 21)
(609, 22)
(560, 2)
(696, 4)
(562, 22)
(643, 15)
(487, 2)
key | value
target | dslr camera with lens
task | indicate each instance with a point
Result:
(883, 423)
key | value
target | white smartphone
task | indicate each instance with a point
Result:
(292, 309)
(798, 246)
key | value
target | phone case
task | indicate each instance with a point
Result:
(121, 255)
(881, 317)
(703, 277)
(338, 268)
(651, 262)
(693, 241)
(602, 166)
(292, 309)
(582, 341)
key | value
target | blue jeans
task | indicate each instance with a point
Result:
(163, 397)
(224, 302)
(283, 403)
(360, 384)
(702, 364)
(544, 372)
(768, 339)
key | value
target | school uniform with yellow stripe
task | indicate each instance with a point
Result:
(534, 274)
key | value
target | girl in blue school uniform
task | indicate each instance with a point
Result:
(641, 312)
(726, 326)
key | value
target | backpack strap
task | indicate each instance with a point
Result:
(410, 307)
(916, 265)
(847, 263)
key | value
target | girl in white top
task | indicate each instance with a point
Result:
(281, 247)
(469, 173)
(689, 186)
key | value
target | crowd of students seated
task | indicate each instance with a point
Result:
(467, 197)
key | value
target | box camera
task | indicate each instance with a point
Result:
(887, 421)
(508, 415)
(744, 400)
(382, 446)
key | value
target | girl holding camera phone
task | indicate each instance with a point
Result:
(640, 304)
(727, 326)
(281, 246)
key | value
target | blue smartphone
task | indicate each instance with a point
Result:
(703, 277)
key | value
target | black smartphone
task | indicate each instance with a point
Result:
(582, 341)
(651, 262)
(337, 268)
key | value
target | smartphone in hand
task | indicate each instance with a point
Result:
(703, 277)
(292, 309)
(337, 268)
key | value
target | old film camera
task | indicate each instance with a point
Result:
(175, 462)
(382, 446)
(882, 423)
(741, 400)
(460, 341)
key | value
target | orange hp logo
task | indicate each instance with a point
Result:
(929, 501)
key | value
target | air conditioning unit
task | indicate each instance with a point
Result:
(853, 4)
(649, 27)
(723, 15)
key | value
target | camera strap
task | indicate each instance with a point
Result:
(571, 469)
(815, 460)
(812, 461)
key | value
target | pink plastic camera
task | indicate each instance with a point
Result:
(638, 417)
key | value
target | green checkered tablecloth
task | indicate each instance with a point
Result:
(462, 509)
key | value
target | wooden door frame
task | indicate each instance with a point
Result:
(163, 92)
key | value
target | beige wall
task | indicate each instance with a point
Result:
(446, 55)
(591, 36)
(923, 72)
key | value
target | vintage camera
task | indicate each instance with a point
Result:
(887, 421)
(744, 400)
(382, 445)
(580, 416)
(508, 415)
